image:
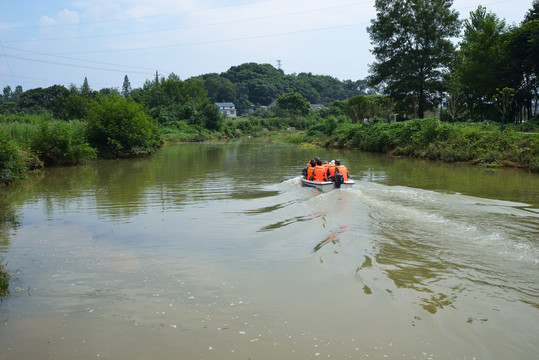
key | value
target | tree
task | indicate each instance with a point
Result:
(294, 104)
(260, 83)
(15, 95)
(219, 88)
(482, 65)
(523, 54)
(39, 99)
(85, 88)
(7, 94)
(533, 13)
(126, 87)
(412, 47)
(357, 107)
(502, 99)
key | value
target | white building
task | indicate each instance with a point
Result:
(229, 109)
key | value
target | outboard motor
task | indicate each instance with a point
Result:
(339, 179)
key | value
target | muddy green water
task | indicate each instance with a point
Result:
(215, 251)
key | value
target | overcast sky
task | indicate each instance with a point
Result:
(43, 43)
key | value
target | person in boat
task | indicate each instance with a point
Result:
(309, 169)
(305, 172)
(331, 170)
(319, 172)
(341, 169)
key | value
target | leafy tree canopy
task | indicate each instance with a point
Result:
(412, 47)
(294, 104)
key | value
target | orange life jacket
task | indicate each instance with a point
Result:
(319, 173)
(310, 170)
(342, 170)
(331, 170)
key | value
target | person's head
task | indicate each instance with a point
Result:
(325, 162)
(332, 162)
(337, 162)
(313, 163)
(318, 162)
(316, 158)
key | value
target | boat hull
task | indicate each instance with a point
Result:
(326, 185)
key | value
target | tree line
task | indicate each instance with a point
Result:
(491, 73)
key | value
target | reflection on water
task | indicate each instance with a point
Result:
(216, 251)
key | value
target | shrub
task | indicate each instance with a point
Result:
(59, 144)
(119, 127)
(4, 279)
(534, 164)
(12, 161)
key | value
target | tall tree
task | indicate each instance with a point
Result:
(7, 93)
(533, 13)
(412, 48)
(85, 89)
(18, 91)
(483, 65)
(126, 87)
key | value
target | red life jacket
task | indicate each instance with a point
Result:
(319, 173)
(342, 170)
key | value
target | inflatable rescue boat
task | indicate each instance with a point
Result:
(328, 185)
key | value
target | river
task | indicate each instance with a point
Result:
(216, 251)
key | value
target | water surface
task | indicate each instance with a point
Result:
(215, 251)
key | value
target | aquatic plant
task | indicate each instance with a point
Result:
(4, 279)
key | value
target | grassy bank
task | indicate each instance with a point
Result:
(475, 143)
(4, 280)
(31, 141)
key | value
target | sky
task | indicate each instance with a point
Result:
(60, 42)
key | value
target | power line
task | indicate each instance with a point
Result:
(70, 65)
(75, 59)
(250, 19)
(219, 41)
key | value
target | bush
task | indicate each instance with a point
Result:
(4, 280)
(59, 144)
(119, 127)
(12, 161)
(534, 164)
(181, 131)
(429, 138)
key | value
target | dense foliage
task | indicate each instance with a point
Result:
(418, 67)
(118, 127)
(12, 161)
(429, 138)
(252, 85)
(412, 45)
(58, 143)
(4, 280)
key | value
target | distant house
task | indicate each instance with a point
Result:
(316, 107)
(227, 108)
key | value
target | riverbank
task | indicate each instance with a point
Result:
(4, 280)
(29, 142)
(473, 143)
